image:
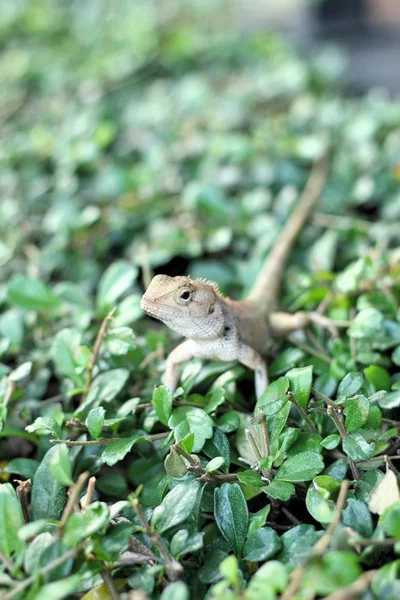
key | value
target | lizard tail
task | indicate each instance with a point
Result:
(266, 289)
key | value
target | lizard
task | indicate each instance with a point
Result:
(218, 328)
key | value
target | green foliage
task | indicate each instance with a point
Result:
(138, 141)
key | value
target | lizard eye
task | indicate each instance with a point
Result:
(185, 295)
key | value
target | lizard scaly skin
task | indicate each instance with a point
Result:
(222, 329)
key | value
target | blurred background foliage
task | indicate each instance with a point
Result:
(159, 136)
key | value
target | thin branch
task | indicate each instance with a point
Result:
(321, 396)
(319, 548)
(72, 500)
(109, 583)
(302, 413)
(364, 543)
(311, 350)
(8, 563)
(323, 543)
(44, 570)
(174, 569)
(100, 441)
(196, 467)
(96, 350)
(90, 492)
(11, 385)
(383, 458)
(355, 589)
(253, 444)
(23, 490)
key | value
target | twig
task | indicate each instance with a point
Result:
(23, 490)
(196, 467)
(291, 516)
(355, 589)
(46, 569)
(11, 385)
(323, 543)
(90, 491)
(109, 583)
(174, 569)
(150, 438)
(365, 542)
(321, 396)
(264, 436)
(96, 350)
(314, 340)
(336, 419)
(383, 458)
(8, 563)
(145, 264)
(302, 413)
(311, 350)
(252, 442)
(72, 500)
(319, 548)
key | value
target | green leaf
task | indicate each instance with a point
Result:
(83, 524)
(231, 515)
(390, 400)
(106, 386)
(268, 581)
(390, 520)
(115, 281)
(258, 519)
(64, 354)
(262, 545)
(218, 445)
(188, 419)
(183, 543)
(46, 424)
(10, 521)
(277, 422)
(366, 324)
(331, 441)
(301, 467)
(274, 398)
(162, 402)
(215, 464)
(48, 495)
(21, 372)
(300, 381)
(356, 411)
(176, 591)
(25, 467)
(378, 377)
(357, 516)
(228, 422)
(120, 340)
(320, 508)
(174, 465)
(250, 477)
(351, 384)
(335, 571)
(60, 589)
(177, 506)
(117, 451)
(280, 490)
(60, 466)
(31, 294)
(355, 446)
(95, 421)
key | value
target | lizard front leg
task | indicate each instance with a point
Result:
(250, 358)
(179, 355)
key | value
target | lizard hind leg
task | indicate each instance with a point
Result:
(283, 323)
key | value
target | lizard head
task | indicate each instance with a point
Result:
(192, 307)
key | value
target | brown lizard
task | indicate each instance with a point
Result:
(222, 329)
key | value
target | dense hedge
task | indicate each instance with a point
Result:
(140, 138)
